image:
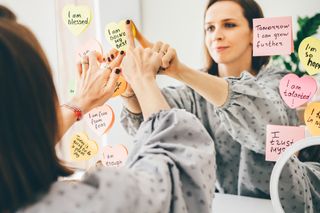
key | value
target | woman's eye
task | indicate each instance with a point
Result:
(210, 28)
(229, 25)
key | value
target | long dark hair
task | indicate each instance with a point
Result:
(28, 118)
(251, 10)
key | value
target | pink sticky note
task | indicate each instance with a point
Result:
(114, 156)
(296, 91)
(272, 36)
(100, 119)
(279, 138)
(90, 45)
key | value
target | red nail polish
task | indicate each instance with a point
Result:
(128, 22)
(121, 52)
(112, 56)
(109, 60)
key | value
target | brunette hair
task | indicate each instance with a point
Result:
(28, 118)
(251, 10)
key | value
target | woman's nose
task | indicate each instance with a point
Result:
(217, 34)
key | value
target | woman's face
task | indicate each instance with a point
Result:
(228, 36)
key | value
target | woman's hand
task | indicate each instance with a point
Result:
(140, 67)
(170, 64)
(97, 81)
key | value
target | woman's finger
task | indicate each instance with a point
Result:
(129, 34)
(84, 65)
(94, 59)
(168, 57)
(164, 49)
(113, 78)
(141, 39)
(117, 61)
(112, 54)
(157, 46)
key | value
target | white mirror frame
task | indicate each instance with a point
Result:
(284, 157)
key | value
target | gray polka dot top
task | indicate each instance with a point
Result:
(238, 128)
(171, 169)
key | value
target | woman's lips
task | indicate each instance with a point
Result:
(220, 48)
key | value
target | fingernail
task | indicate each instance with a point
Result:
(109, 59)
(118, 71)
(112, 56)
(121, 52)
(128, 22)
(104, 59)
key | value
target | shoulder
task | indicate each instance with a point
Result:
(272, 72)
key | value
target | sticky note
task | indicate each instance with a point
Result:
(90, 45)
(82, 148)
(279, 138)
(77, 18)
(272, 36)
(100, 119)
(296, 91)
(114, 156)
(120, 87)
(72, 89)
(309, 55)
(312, 118)
(116, 35)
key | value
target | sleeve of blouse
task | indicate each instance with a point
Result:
(252, 103)
(171, 168)
(181, 97)
(299, 186)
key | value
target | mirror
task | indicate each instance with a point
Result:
(287, 191)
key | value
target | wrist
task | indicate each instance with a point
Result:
(78, 114)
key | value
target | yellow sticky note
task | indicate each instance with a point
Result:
(309, 54)
(116, 35)
(312, 118)
(77, 18)
(121, 87)
(82, 148)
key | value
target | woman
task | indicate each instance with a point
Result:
(163, 173)
(235, 101)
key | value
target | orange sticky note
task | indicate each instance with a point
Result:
(279, 138)
(120, 87)
(272, 36)
(312, 118)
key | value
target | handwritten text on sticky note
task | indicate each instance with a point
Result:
(114, 156)
(116, 35)
(296, 91)
(82, 148)
(309, 55)
(279, 138)
(77, 18)
(100, 119)
(272, 36)
(312, 118)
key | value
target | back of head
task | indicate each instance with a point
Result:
(28, 119)
(5, 13)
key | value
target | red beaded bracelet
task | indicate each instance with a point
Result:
(76, 110)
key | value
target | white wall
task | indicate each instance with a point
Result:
(39, 16)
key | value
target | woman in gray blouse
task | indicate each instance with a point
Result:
(235, 98)
(164, 173)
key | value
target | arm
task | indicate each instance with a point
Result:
(170, 169)
(95, 86)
